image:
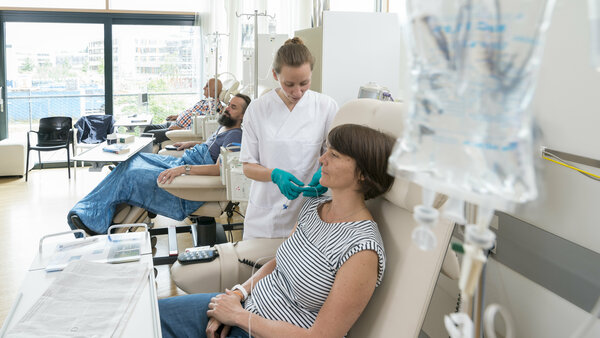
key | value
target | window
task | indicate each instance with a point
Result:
(82, 4)
(137, 5)
(56, 65)
(397, 6)
(162, 61)
(47, 75)
(157, 5)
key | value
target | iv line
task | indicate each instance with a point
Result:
(287, 204)
(252, 287)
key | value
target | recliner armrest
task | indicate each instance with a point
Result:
(174, 153)
(183, 135)
(197, 188)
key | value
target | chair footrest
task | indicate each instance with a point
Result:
(164, 231)
(164, 260)
(233, 226)
(208, 233)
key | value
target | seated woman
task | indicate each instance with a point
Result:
(324, 274)
(135, 181)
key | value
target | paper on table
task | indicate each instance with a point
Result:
(87, 299)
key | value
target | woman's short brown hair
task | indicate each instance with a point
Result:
(370, 150)
(293, 53)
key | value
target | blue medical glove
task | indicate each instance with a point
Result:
(314, 188)
(288, 184)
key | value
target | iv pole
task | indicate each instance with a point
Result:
(256, 14)
(216, 35)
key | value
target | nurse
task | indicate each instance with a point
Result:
(284, 135)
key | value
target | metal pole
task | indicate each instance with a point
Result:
(30, 110)
(378, 6)
(216, 72)
(255, 54)
(256, 15)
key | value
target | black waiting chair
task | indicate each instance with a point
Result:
(54, 133)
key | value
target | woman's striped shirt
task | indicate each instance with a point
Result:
(307, 264)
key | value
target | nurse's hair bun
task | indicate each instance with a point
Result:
(293, 53)
(294, 41)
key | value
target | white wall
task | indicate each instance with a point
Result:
(359, 48)
(536, 311)
(567, 107)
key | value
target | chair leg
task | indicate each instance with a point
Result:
(27, 166)
(206, 230)
(40, 159)
(68, 161)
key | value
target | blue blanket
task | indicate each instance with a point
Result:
(134, 182)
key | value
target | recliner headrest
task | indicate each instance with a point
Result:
(387, 117)
(230, 87)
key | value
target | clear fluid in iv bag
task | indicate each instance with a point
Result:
(474, 69)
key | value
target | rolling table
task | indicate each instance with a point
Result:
(130, 123)
(144, 321)
(100, 158)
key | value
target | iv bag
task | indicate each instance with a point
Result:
(474, 66)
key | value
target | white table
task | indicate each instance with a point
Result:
(144, 321)
(99, 157)
(141, 120)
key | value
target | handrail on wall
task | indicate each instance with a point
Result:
(560, 157)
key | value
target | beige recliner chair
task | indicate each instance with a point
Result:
(230, 88)
(195, 133)
(209, 189)
(203, 227)
(399, 305)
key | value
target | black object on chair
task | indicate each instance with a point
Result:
(90, 130)
(93, 129)
(54, 133)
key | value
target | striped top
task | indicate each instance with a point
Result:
(307, 264)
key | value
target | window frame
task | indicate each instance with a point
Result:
(106, 19)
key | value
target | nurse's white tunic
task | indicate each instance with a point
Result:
(275, 137)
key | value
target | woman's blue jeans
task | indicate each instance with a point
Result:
(185, 316)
